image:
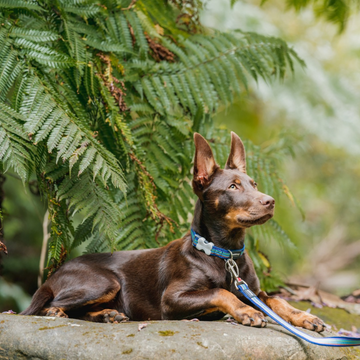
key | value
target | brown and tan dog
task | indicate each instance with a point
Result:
(177, 281)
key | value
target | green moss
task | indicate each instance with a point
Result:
(351, 353)
(202, 345)
(51, 327)
(166, 333)
(332, 316)
(127, 352)
(130, 335)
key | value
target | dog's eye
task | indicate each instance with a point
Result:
(232, 187)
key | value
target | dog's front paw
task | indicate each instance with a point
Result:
(248, 316)
(307, 321)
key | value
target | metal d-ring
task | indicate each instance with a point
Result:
(232, 268)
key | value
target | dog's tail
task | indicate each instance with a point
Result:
(40, 298)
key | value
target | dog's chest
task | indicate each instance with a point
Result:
(220, 278)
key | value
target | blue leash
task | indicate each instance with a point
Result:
(209, 248)
(338, 341)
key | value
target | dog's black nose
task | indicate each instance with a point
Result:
(267, 201)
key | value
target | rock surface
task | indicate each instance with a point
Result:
(33, 337)
(336, 317)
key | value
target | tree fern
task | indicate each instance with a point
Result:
(100, 101)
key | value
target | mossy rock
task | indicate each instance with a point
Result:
(33, 337)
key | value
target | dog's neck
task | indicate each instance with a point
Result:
(212, 229)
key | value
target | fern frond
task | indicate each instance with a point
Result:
(10, 68)
(220, 64)
(20, 4)
(15, 149)
(85, 196)
(105, 45)
(125, 36)
(82, 10)
(141, 41)
(336, 11)
(33, 35)
(67, 133)
(83, 232)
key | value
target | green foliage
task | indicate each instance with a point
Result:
(335, 11)
(14, 294)
(15, 150)
(100, 101)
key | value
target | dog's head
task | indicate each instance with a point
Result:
(229, 194)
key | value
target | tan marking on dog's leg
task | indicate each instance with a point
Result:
(107, 297)
(290, 314)
(209, 311)
(228, 303)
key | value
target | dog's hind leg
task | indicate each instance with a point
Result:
(75, 299)
(53, 311)
(101, 308)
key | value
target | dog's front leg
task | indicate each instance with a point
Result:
(179, 304)
(290, 314)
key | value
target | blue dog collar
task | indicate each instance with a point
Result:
(200, 243)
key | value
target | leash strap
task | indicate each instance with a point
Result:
(242, 286)
(338, 341)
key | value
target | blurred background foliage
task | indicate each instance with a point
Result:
(310, 120)
(320, 107)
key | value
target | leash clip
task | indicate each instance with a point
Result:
(233, 269)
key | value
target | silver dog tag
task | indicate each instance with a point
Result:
(204, 246)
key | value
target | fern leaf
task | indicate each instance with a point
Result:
(15, 150)
(20, 4)
(34, 35)
(139, 33)
(105, 45)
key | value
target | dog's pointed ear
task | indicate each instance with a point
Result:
(204, 162)
(236, 159)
